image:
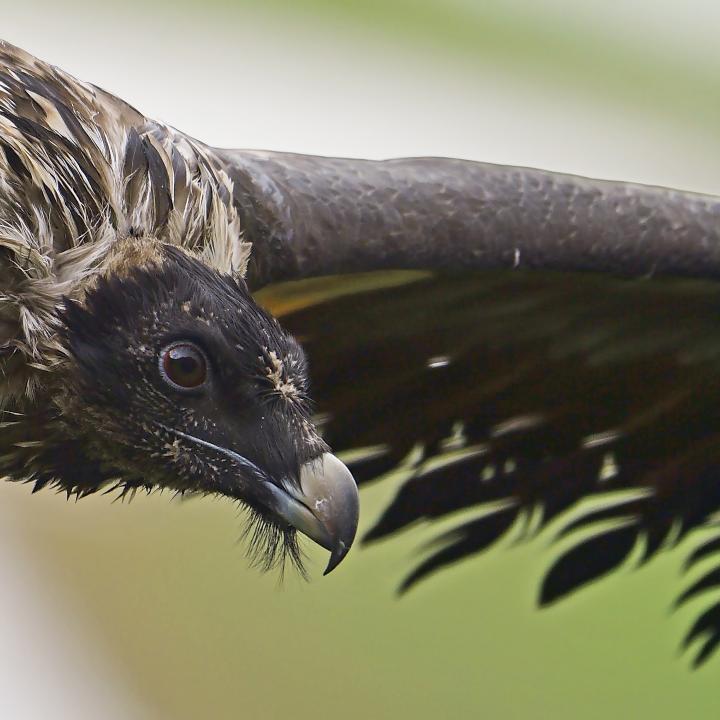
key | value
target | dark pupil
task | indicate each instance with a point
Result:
(185, 366)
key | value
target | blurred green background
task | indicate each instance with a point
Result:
(147, 609)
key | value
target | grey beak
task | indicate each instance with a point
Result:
(326, 507)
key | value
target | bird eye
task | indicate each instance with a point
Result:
(183, 366)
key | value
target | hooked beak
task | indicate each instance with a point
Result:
(325, 507)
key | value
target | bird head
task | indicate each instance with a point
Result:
(175, 378)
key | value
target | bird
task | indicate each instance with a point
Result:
(532, 346)
(131, 350)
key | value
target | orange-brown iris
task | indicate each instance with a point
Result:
(184, 365)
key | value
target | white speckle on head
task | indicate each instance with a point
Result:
(278, 376)
(172, 450)
(310, 434)
(488, 473)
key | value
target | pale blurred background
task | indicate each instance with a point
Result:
(147, 610)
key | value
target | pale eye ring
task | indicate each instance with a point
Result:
(183, 366)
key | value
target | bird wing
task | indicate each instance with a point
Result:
(308, 216)
(554, 339)
(517, 395)
(515, 342)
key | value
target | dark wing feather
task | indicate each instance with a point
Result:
(588, 560)
(706, 629)
(521, 392)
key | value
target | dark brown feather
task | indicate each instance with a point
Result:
(558, 386)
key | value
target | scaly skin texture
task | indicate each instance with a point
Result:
(312, 215)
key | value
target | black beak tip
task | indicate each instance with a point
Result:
(337, 556)
(326, 507)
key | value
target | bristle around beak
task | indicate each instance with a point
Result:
(325, 507)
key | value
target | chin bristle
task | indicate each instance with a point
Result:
(270, 547)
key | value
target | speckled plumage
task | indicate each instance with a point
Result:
(119, 237)
(80, 170)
